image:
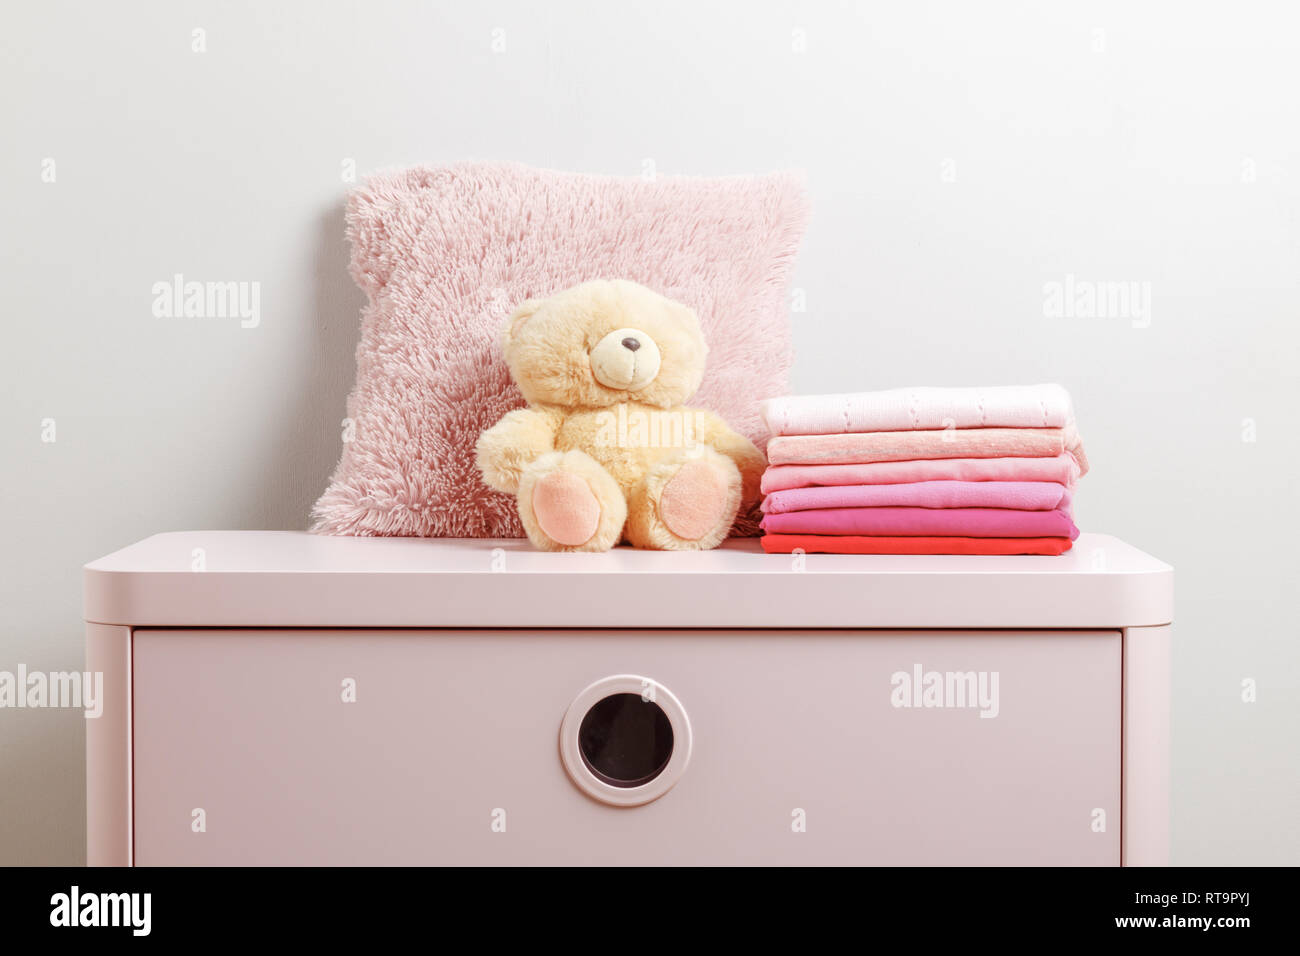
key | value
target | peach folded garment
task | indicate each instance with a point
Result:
(906, 409)
(1018, 495)
(858, 544)
(868, 447)
(924, 522)
(1061, 469)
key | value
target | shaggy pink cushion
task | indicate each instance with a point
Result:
(444, 255)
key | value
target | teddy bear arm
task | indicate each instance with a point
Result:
(718, 435)
(509, 446)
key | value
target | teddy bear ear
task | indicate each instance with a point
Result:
(518, 317)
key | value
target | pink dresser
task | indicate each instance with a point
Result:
(282, 698)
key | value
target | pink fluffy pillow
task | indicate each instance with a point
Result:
(444, 254)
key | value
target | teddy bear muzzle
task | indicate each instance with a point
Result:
(626, 359)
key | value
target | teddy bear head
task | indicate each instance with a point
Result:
(605, 342)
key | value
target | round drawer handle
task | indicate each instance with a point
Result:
(625, 740)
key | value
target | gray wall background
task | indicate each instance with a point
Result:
(960, 156)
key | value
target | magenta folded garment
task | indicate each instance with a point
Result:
(1018, 495)
(866, 447)
(903, 544)
(1061, 469)
(952, 522)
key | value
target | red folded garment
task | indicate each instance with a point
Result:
(861, 544)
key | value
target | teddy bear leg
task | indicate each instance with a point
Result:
(568, 502)
(685, 503)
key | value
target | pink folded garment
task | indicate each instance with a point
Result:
(867, 447)
(1061, 469)
(1018, 495)
(907, 409)
(949, 522)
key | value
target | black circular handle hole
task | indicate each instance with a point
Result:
(625, 740)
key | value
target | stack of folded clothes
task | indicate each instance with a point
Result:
(922, 471)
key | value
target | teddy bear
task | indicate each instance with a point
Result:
(606, 451)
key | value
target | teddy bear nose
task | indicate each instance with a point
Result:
(631, 344)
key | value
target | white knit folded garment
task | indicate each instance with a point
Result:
(905, 409)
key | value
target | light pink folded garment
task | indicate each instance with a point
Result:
(906, 409)
(866, 447)
(1061, 469)
(958, 522)
(1018, 495)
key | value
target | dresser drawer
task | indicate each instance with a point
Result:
(445, 747)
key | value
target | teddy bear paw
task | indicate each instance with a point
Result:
(566, 508)
(694, 501)
(568, 502)
(686, 504)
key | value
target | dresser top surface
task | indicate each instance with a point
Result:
(231, 578)
(295, 551)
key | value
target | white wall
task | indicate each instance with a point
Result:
(960, 156)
